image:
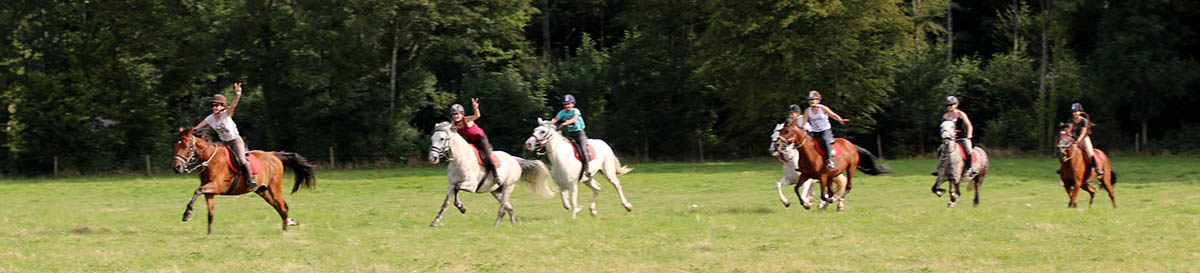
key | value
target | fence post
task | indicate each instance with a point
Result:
(332, 165)
(700, 144)
(1137, 147)
(147, 165)
(55, 165)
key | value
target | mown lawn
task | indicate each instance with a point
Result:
(704, 217)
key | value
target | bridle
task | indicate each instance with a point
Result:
(443, 150)
(191, 156)
(1064, 149)
(540, 147)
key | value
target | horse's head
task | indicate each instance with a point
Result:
(775, 140)
(541, 135)
(1065, 141)
(185, 149)
(440, 142)
(947, 130)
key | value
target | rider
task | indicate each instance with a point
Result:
(962, 123)
(221, 120)
(817, 116)
(1079, 128)
(794, 112)
(572, 118)
(470, 131)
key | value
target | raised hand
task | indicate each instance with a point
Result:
(237, 88)
(475, 103)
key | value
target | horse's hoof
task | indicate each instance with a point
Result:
(841, 207)
(787, 204)
(950, 205)
(593, 212)
(462, 209)
(435, 224)
(807, 206)
(187, 216)
(292, 222)
(629, 208)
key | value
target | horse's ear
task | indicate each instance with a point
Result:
(180, 129)
(540, 121)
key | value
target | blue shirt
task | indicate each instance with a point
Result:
(563, 115)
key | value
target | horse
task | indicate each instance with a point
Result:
(811, 165)
(788, 155)
(951, 163)
(1076, 174)
(218, 177)
(465, 172)
(567, 166)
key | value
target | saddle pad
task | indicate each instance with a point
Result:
(479, 158)
(591, 152)
(255, 166)
(974, 158)
(837, 149)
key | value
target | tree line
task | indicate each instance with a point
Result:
(96, 85)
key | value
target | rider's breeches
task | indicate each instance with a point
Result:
(1086, 144)
(579, 137)
(237, 146)
(485, 151)
(824, 138)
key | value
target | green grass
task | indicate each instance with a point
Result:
(376, 220)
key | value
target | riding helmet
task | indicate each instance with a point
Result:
(1076, 107)
(951, 100)
(218, 98)
(568, 99)
(814, 94)
(456, 109)
(794, 108)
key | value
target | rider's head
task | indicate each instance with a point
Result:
(217, 103)
(794, 110)
(814, 97)
(568, 102)
(951, 103)
(456, 112)
(1076, 109)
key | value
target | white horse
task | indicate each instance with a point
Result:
(788, 155)
(566, 167)
(465, 173)
(950, 166)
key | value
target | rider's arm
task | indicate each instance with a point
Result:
(237, 88)
(573, 117)
(834, 115)
(1083, 133)
(203, 122)
(474, 104)
(967, 121)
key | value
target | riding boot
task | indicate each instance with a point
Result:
(829, 163)
(251, 183)
(1094, 167)
(967, 166)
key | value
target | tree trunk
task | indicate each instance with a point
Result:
(916, 29)
(392, 74)
(1145, 134)
(546, 32)
(949, 32)
(1043, 107)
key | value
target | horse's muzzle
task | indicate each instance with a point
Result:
(179, 168)
(434, 158)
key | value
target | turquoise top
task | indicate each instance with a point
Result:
(564, 116)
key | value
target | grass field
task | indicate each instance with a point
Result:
(377, 221)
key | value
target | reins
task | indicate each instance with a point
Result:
(192, 154)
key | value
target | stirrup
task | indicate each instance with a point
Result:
(829, 164)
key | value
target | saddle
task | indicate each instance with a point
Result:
(255, 167)
(837, 149)
(974, 159)
(479, 158)
(591, 153)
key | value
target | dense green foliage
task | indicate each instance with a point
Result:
(99, 84)
(701, 217)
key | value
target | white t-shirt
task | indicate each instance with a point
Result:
(224, 126)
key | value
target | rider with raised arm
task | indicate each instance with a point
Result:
(221, 121)
(469, 130)
(1079, 128)
(965, 131)
(572, 118)
(817, 117)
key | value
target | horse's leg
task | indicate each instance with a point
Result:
(565, 193)
(1091, 190)
(512, 217)
(451, 190)
(462, 208)
(611, 175)
(208, 197)
(1075, 192)
(575, 200)
(843, 189)
(779, 188)
(978, 180)
(806, 196)
(595, 194)
(937, 190)
(952, 187)
(187, 212)
(275, 202)
(498, 194)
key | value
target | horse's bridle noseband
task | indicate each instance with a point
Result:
(191, 156)
(444, 151)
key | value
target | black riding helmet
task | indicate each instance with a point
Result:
(568, 99)
(951, 100)
(1076, 107)
(794, 108)
(456, 109)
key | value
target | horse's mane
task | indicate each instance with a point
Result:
(442, 126)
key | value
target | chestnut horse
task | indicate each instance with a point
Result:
(217, 178)
(1076, 174)
(812, 166)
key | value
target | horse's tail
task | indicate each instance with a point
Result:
(537, 175)
(301, 167)
(1114, 175)
(869, 164)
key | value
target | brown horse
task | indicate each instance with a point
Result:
(1076, 174)
(812, 166)
(217, 178)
